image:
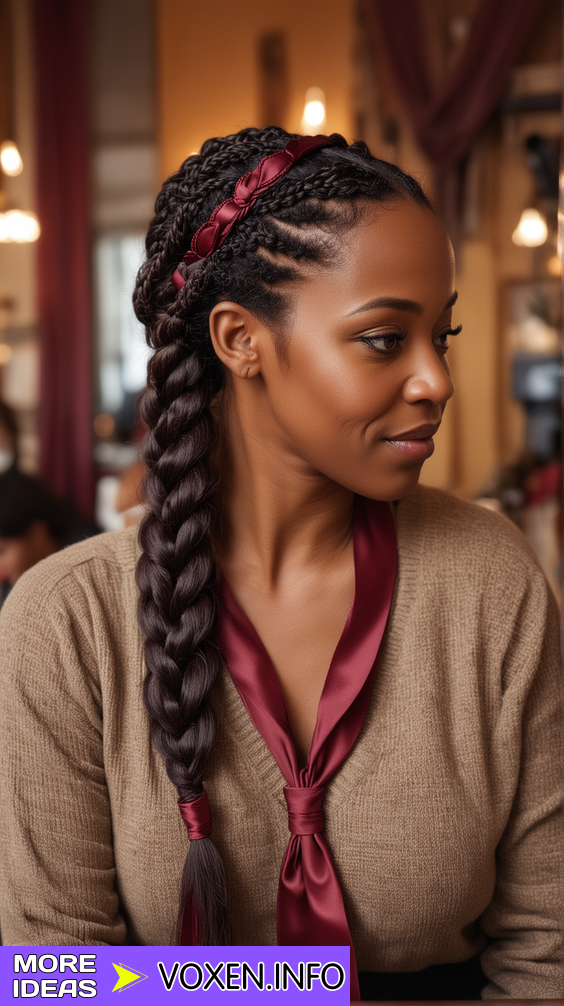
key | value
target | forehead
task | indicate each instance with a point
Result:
(398, 250)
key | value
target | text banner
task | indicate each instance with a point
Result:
(175, 974)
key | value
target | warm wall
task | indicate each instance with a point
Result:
(18, 308)
(208, 74)
(17, 262)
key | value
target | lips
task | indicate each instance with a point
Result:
(416, 444)
(418, 433)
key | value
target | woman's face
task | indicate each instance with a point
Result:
(366, 378)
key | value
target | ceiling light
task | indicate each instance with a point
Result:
(314, 110)
(19, 226)
(314, 113)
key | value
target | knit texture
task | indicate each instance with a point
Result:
(444, 821)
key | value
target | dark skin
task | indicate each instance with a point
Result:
(308, 433)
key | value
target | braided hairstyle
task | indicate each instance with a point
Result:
(296, 221)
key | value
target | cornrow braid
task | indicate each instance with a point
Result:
(297, 220)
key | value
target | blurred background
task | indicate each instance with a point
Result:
(101, 99)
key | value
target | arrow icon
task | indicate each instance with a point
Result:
(126, 976)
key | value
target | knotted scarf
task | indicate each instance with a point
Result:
(310, 909)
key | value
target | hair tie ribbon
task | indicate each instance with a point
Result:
(197, 817)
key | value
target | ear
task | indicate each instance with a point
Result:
(235, 336)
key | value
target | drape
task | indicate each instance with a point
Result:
(62, 134)
(447, 123)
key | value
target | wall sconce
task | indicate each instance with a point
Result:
(10, 159)
(313, 119)
(19, 226)
(531, 231)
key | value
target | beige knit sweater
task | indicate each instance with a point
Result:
(443, 821)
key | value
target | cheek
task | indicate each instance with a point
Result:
(334, 417)
(334, 391)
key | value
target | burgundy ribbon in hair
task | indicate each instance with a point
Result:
(213, 232)
(310, 909)
(197, 817)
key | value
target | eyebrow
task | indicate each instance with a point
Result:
(399, 304)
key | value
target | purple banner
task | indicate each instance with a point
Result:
(171, 974)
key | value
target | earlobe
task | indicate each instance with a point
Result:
(232, 331)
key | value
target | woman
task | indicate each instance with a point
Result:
(298, 296)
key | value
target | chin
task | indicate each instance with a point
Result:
(394, 488)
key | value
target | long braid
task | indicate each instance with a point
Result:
(176, 578)
(297, 220)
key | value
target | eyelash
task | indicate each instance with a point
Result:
(369, 340)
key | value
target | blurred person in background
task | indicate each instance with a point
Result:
(542, 514)
(8, 438)
(33, 523)
(130, 501)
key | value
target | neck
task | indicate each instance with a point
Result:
(277, 513)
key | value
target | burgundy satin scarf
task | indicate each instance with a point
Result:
(310, 909)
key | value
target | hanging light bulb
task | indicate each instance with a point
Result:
(19, 226)
(531, 231)
(313, 119)
(10, 159)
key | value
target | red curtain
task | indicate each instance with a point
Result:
(447, 123)
(62, 132)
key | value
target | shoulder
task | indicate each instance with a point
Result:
(87, 573)
(468, 579)
(455, 525)
(458, 543)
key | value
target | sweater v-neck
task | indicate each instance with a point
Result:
(351, 669)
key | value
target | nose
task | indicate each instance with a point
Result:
(429, 378)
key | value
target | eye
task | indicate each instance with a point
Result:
(441, 340)
(384, 343)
